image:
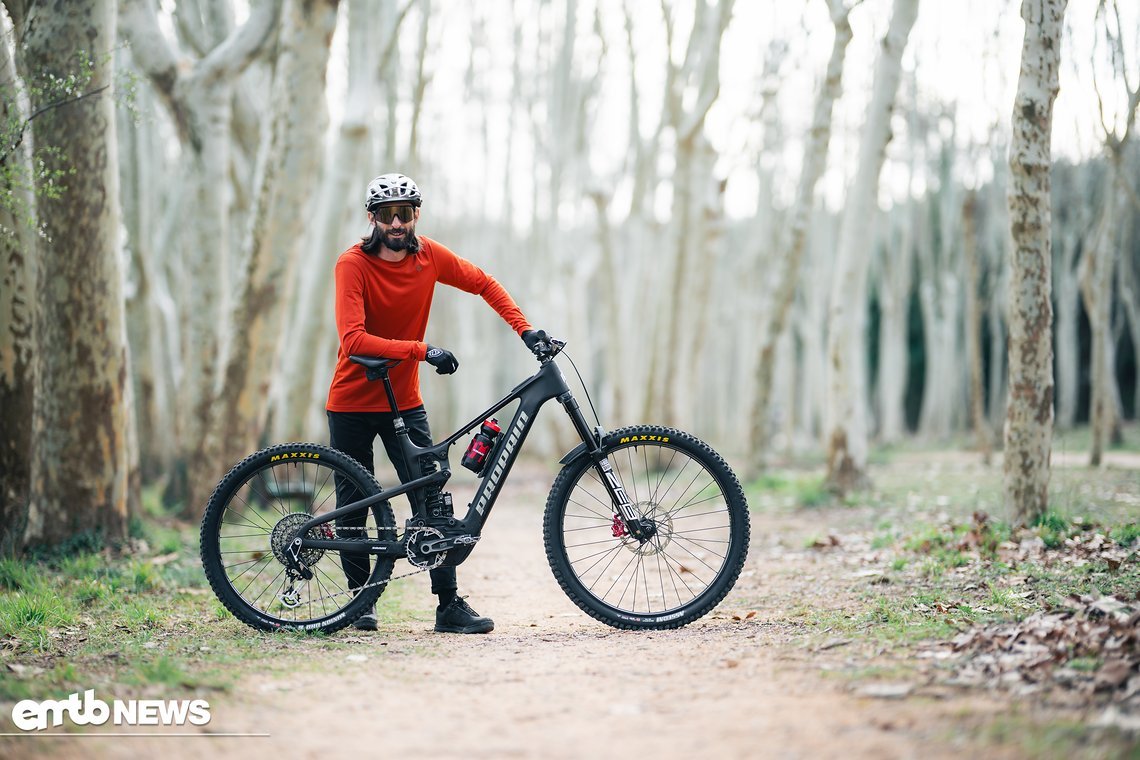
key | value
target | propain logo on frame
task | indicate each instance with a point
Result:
(33, 715)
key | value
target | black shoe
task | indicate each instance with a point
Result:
(458, 617)
(367, 621)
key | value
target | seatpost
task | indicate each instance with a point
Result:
(398, 422)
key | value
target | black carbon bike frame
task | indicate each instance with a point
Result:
(548, 383)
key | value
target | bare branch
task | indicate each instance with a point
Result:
(389, 48)
(239, 49)
(40, 112)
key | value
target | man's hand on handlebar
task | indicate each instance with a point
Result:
(537, 341)
(443, 360)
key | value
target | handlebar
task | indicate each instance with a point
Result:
(545, 350)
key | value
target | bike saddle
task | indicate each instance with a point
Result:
(375, 367)
(374, 362)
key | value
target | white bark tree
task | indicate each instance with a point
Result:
(290, 157)
(1029, 415)
(199, 96)
(814, 162)
(691, 184)
(1099, 260)
(846, 403)
(349, 165)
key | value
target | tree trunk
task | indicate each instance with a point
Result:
(200, 101)
(1029, 414)
(814, 162)
(846, 412)
(894, 312)
(80, 463)
(1096, 288)
(18, 265)
(1068, 302)
(291, 157)
(978, 419)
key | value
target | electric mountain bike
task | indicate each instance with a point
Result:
(646, 527)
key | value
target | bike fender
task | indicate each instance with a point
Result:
(574, 454)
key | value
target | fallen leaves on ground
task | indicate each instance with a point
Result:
(1089, 647)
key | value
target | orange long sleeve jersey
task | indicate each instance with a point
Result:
(382, 310)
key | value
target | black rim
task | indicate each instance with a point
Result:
(692, 526)
(260, 518)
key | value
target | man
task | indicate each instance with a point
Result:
(384, 288)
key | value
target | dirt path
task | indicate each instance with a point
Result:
(552, 683)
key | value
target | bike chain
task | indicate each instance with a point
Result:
(367, 585)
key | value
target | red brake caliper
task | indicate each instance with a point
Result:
(619, 527)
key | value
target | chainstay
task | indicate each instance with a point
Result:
(384, 582)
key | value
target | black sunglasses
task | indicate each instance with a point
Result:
(385, 214)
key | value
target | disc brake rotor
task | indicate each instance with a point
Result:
(662, 535)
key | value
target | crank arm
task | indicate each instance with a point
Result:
(443, 544)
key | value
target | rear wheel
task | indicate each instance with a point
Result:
(697, 520)
(257, 510)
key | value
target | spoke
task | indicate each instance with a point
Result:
(598, 514)
(607, 504)
(661, 477)
(700, 545)
(272, 584)
(600, 555)
(633, 475)
(701, 514)
(694, 556)
(691, 503)
(586, 527)
(589, 543)
(698, 530)
(632, 578)
(694, 480)
(602, 575)
(244, 525)
(645, 579)
(252, 564)
(618, 578)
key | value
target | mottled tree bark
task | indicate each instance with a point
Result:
(18, 255)
(80, 461)
(1029, 414)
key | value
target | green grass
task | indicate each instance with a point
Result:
(787, 489)
(72, 620)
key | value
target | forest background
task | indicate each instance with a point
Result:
(783, 227)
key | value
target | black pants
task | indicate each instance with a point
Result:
(354, 433)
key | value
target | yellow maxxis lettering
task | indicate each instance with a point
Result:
(636, 438)
(295, 455)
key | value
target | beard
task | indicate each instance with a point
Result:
(405, 242)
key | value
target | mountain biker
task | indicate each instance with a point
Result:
(384, 289)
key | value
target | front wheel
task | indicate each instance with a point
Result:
(694, 551)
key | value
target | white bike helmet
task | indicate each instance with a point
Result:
(389, 188)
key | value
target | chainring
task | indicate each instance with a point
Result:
(415, 537)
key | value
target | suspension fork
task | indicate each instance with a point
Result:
(623, 507)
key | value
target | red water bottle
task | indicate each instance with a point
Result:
(480, 446)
